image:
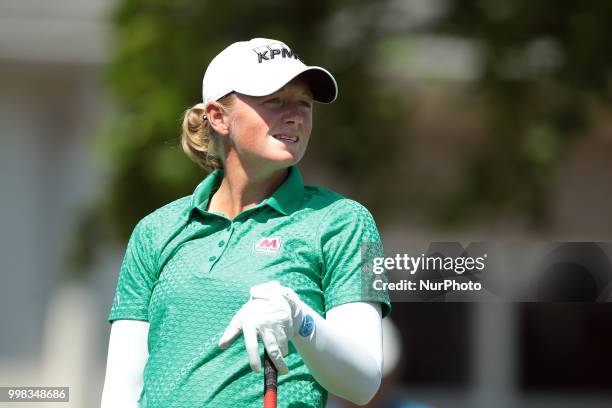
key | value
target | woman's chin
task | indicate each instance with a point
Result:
(286, 158)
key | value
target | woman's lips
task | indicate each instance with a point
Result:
(286, 138)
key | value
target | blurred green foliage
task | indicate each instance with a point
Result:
(542, 64)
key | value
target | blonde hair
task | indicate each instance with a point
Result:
(198, 139)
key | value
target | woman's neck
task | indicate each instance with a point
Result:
(241, 189)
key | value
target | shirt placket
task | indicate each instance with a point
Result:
(222, 241)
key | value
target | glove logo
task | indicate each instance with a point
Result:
(307, 326)
(270, 246)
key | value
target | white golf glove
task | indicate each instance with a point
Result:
(274, 312)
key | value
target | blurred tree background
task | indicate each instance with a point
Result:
(546, 69)
(537, 74)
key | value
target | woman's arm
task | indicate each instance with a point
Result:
(344, 352)
(127, 356)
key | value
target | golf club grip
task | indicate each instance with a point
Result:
(270, 378)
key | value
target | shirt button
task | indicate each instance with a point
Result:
(221, 243)
(212, 258)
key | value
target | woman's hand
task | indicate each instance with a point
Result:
(273, 312)
(342, 352)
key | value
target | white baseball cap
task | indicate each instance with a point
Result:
(260, 67)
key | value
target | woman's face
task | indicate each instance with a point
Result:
(274, 129)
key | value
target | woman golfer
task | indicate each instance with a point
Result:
(252, 259)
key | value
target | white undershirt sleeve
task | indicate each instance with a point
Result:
(344, 352)
(127, 356)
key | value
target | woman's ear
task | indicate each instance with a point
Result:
(217, 117)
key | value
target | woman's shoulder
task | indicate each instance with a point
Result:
(322, 198)
(167, 216)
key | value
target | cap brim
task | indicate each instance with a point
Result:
(322, 84)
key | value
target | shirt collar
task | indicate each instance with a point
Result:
(285, 199)
(288, 196)
(205, 190)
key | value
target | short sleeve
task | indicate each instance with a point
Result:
(136, 277)
(349, 241)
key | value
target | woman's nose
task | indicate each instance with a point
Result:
(293, 114)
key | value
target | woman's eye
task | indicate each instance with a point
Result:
(273, 101)
(306, 104)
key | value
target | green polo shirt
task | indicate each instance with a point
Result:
(187, 271)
